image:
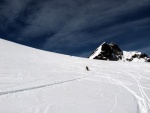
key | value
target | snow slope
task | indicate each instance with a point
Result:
(36, 81)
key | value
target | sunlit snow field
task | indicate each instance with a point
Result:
(36, 81)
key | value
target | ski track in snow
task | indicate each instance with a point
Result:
(46, 109)
(113, 107)
(144, 101)
(46, 85)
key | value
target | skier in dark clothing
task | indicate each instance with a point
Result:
(87, 68)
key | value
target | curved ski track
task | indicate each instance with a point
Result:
(143, 102)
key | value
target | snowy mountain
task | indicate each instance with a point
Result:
(113, 52)
(36, 81)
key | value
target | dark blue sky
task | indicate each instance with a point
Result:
(76, 27)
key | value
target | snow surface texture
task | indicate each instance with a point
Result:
(35, 81)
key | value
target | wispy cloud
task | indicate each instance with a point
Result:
(74, 26)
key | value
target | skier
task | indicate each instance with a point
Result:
(87, 68)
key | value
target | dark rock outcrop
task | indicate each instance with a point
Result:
(113, 52)
(139, 56)
(109, 52)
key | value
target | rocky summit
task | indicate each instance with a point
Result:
(113, 52)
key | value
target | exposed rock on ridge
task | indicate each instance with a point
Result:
(113, 52)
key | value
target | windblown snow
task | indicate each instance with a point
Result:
(36, 81)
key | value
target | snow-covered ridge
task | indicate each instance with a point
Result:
(96, 52)
(36, 81)
(113, 52)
